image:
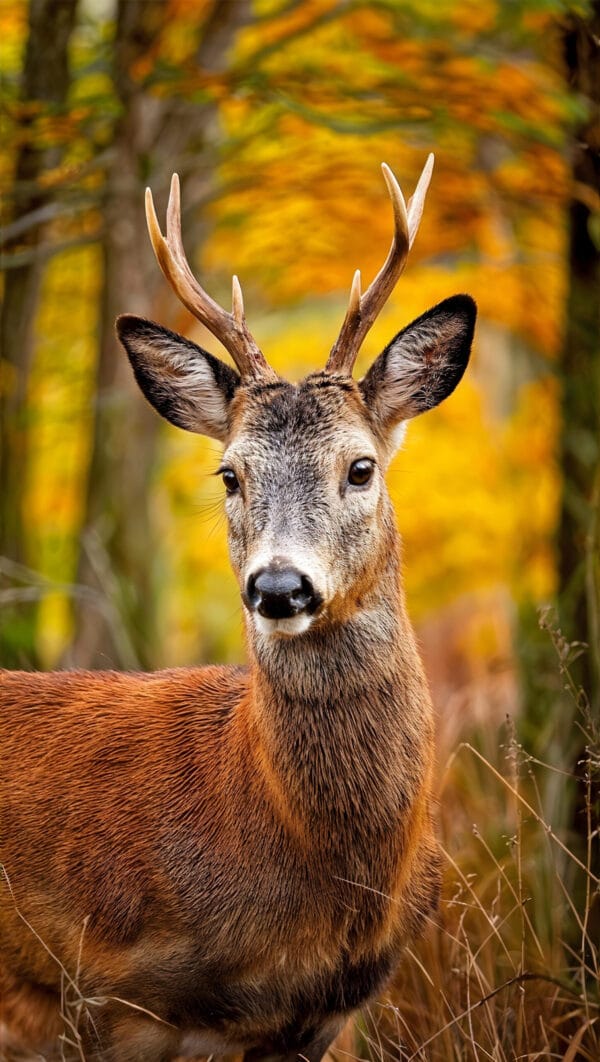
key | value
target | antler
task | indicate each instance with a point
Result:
(229, 328)
(363, 309)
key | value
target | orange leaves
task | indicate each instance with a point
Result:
(308, 189)
(543, 178)
(273, 31)
(13, 28)
(48, 129)
(474, 16)
(308, 104)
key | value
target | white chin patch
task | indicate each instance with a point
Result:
(288, 627)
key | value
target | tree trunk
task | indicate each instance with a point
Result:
(45, 80)
(579, 530)
(154, 135)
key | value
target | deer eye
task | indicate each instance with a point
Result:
(361, 472)
(230, 480)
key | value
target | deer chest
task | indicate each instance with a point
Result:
(281, 1006)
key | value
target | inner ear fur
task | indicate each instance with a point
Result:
(185, 384)
(423, 364)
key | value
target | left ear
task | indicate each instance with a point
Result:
(423, 363)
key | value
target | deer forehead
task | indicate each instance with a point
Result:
(321, 420)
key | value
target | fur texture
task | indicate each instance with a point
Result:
(226, 859)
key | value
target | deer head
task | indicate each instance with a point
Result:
(310, 522)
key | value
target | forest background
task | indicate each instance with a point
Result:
(277, 114)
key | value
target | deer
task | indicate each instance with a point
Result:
(230, 860)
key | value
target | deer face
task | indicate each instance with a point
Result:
(303, 464)
(304, 492)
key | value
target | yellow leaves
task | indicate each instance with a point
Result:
(40, 126)
(531, 444)
(49, 130)
(59, 422)
(477, 501)
(315, 209)
(200, 598)
(169, 64)
(13, 28)
(445, 488)
(58, 175)
(304, 225)
(543, 177)
(270, 30)
(53, 626)
(304, 205)
(476, 16)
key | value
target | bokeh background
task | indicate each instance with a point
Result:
(277, 115)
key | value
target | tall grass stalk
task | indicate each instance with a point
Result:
(509, 969)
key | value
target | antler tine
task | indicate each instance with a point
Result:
(363, 309)
(229, 328)
(417, 200)
(237, 301)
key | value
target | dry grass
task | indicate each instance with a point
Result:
(510, 969)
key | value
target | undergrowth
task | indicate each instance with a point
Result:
(509, 969)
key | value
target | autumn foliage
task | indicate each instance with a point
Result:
(277, 119)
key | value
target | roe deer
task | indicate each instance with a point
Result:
(224, 859)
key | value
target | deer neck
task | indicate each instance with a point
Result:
(343, 718)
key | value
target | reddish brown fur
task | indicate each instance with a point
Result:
(103, 769)
(220, 859)
(168, 823)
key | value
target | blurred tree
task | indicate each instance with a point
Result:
(153, 129)
(579, 528)
(44, 88)
(579, 524)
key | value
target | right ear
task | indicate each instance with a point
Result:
(184, 383)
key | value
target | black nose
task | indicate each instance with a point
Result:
(280, 593)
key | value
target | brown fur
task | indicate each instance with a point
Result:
(226, 859)
(177, 815)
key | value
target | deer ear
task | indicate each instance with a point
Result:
(423, 363)
(184, 383)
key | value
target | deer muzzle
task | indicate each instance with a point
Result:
(280, 593)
